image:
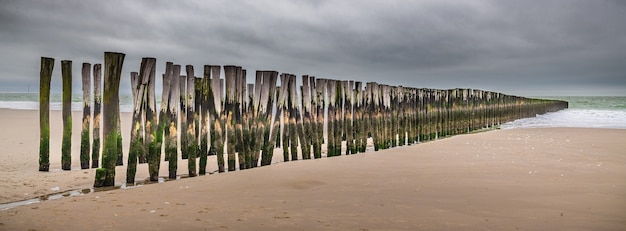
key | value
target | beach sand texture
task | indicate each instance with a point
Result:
(518, 179)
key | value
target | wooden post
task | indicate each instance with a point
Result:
(331, 89)
(284, 94)
(85, 142)
(320, 101)
(164, 122)
(66, 147)
(218, 132)
(272, 123)
(239, 106)
(152, 144)
(138, 85)
(307, 131)
(97, 104)
(192, 143)
(113, 63)
(202, 97)
(250, 126)
(120, 150)
(230, 73)
(171, 133)
(45, 75)
(182, 103)
(359, 127)
(293, 118)
(347, 109)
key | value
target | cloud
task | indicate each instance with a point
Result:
(518, 47)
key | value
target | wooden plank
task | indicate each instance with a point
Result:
(45, 76)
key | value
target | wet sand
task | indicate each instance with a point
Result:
(519, 179)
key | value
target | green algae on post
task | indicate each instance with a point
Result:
(45, 75)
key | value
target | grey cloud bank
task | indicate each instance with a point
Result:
(528, 48)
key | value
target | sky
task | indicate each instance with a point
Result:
(525, 48)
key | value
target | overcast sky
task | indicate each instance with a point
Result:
(519, 47)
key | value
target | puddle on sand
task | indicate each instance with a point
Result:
(79, 192)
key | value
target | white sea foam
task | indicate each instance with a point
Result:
(582, 118)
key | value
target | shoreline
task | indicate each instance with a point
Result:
(530, 178)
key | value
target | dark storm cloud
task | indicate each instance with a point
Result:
(518, 47)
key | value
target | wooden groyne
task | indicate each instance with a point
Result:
(242, 123)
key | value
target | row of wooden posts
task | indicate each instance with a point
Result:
(247, 121)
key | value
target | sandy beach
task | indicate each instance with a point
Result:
(517, 179)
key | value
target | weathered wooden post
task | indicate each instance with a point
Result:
(183, 115)
(97, 104)
(360, 136)
(66, 147)
(203, 87)
(218, 132)
(306, 131)
(84, 135)
(332, 116)
(347, 108)
(229, 110)
(152, 142)
(320, 98)
(272, 123)
(120, 150)
(112, 72)
(239, 111)
(45, 75)
(138, 85)
(171, 133)
(293, 118)
(192, 143)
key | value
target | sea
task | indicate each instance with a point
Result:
(583, 111)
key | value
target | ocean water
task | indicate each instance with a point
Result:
(30, 101)
(583, 111)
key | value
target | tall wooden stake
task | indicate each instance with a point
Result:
(85, 147)
(192, 143)
(66, 147)
(45, 75)
(97, 104)
(112, 72)
(171, 133)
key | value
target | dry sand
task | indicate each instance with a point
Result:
(521, 179)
